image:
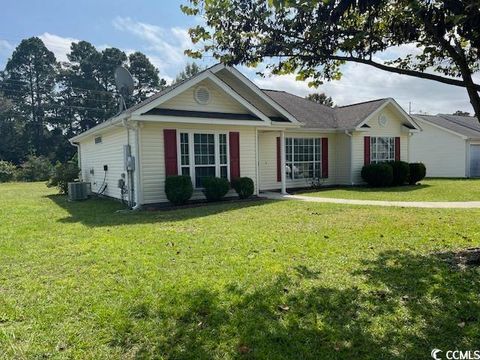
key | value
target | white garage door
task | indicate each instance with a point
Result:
(474, 160)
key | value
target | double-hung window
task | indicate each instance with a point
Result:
(382, 149)
(303, 158)
(202, 155)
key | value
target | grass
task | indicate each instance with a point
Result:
(263, 280)
(427, 190)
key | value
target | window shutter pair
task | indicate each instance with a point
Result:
(170, 149)
(366, 149)
(324, 159)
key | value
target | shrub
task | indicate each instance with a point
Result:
(401, 172)
(63, 174)
(179, 189)
(417, 173)
(8, 171)
(378, 175)
(215, 188)
(35, 168)
(244, 187)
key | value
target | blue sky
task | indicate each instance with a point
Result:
(159, 29)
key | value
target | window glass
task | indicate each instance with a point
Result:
(204, 149)
(382, 149)
(303, 158)
(202, 172)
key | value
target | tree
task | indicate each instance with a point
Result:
(146, 77)
(461, 113)
(190, 70)
(29, 81)
(314, 38)
(12, 146)
(320, 98)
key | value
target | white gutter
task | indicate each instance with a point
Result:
(97, 128)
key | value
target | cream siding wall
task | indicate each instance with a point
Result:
(267, 142)
(109, 152)
(393, 128)
(219, 101)
(442, 152)
(153, 162)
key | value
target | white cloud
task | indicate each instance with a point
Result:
(59, 45)
(167, 45)
(362, 83)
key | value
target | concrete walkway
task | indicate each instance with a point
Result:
(411, 204)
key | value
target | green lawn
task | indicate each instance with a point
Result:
(428, 190)
(257, 280)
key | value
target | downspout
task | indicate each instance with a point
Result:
(350, 135)
(79, 158)
(137, 168)
(257, 166)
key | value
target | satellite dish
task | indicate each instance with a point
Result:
(125, 84)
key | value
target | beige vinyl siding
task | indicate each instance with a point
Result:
(267, 144)
(442, 152)
(108, 152)
(153, 161)
(342, 159)
(220, 101)
(393, 128)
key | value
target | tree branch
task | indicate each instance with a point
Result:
(414, 73)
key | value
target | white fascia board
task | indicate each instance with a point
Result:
(261, 94)
(396, 106)
(440, 127)
(196, 120)
(100, 127)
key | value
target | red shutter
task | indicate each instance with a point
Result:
(397, 149)
(279, 160)
(325, 158)
(234, 143)
(170, 146)
(366, 150)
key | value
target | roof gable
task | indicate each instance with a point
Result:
(464, 126)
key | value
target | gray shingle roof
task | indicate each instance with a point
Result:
(310, 113)
(464, 125)
(314, 115)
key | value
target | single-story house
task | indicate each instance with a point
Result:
(449, 145)
(219, 123)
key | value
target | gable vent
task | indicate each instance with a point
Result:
(202, 95)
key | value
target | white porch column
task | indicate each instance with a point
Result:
(282, 162)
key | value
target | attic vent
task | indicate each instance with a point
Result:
(98, 140)
(202, 95)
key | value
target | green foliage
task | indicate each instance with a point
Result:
(243, 186)
(418, 171)
(190, 70)
(320, 98)
(62, 174)
(215, 188)
(377, 175)
(179, 189)
(35, 168)
(401, 172)
(8, 171)
(313, 39)
(43, 102)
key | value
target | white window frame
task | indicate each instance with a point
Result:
(315, 160)
(191, 154)
(374, 149)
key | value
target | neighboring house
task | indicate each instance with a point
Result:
(218, 123)
(449, 145)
